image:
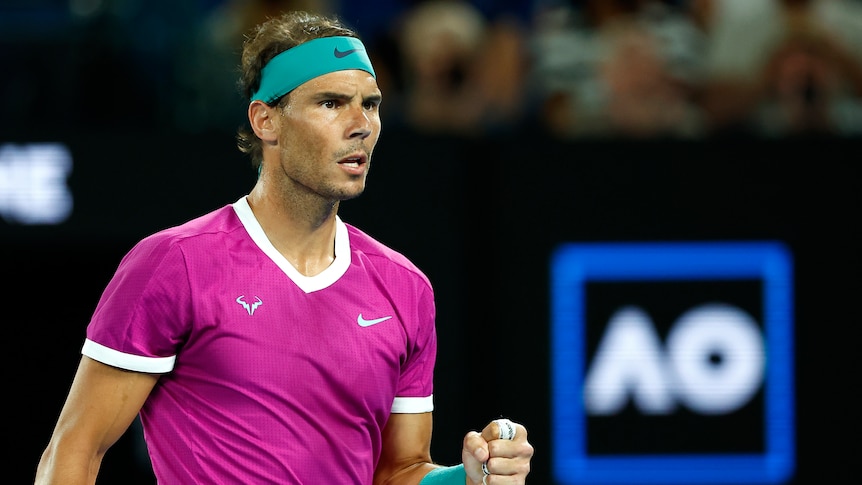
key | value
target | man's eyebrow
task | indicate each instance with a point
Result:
(376, 98)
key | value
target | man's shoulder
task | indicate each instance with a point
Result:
(366, 246)
(214, 223)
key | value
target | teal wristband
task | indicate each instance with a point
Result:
(447, 475)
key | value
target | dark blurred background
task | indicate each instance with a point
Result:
(510, 127)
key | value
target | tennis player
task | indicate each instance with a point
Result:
(268, 341)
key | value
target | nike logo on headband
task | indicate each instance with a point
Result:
(339, 54)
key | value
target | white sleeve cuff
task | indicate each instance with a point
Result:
(139, 363)
(413, 405)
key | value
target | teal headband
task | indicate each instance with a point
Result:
(308, 60)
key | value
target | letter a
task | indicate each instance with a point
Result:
(629, 361)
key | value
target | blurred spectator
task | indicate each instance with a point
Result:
(629, 68)
(800, 72)
(644, 97)
(458, 72)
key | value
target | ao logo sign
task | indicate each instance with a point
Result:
(672, 363)
(630, 361)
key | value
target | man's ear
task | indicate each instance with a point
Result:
(263, 121)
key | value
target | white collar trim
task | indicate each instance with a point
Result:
(307, 284)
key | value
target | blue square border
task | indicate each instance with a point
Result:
(574, 264)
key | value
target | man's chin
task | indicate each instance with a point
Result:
(351, 194)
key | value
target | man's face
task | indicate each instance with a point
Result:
(328, 130)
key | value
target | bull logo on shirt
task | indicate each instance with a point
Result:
(249, 308)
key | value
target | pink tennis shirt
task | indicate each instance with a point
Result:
(268, 376)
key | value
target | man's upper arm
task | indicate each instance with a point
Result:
(406, 454)
(107, 398)
(102, 403)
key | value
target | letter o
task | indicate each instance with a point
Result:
(725, 331)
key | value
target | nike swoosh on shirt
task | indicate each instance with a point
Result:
(339, 54)
(367, 323)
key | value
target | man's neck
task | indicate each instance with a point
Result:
(303, 232)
